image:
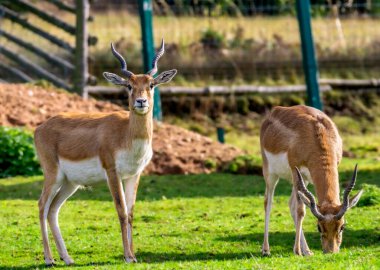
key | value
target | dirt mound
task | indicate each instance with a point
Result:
(176, 150)
(28, 105)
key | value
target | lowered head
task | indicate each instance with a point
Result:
(330, 217)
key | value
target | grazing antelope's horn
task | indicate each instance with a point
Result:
(122, 61)
(155, 59)
(302, 188)
(347, 191)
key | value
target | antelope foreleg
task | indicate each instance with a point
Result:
(131, 185)
(117, 193)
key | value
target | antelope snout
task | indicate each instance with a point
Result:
(141, 102)
(141, 105)
(331, 251)
(331, 248)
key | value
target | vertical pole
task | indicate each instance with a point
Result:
(145, 10)
(308, 54)
(81, 46)
(220, 132)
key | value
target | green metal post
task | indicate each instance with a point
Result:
(310, 66)
(145, 10)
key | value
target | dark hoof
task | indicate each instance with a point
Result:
(49, 262)
(130, 260)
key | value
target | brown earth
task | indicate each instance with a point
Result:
(176, 150)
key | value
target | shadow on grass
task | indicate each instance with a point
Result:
(351, 238)
(59, 265)
(285, 240)
(154, 187)
(175, 186)
(157, 257)
(150, 257)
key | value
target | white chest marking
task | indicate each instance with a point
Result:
(133, 161)
(129, 162)
(278, 164)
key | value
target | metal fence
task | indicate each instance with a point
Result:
(23, 57)
(230, 42)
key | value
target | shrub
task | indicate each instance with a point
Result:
(212, 39)
(210, 164)
(242, 105)
(246, 164)
(371, 195)
(17, 155)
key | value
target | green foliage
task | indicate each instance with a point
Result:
(212, 39)
(242, 105)
(371, 196)
(43, 83)
(293, 99)
(210, 164)
(346, 124)
(197, 128)
(246, 164)
(364, 150)
(257, 103)
(17, 155)
(251, 8)
(375, 7)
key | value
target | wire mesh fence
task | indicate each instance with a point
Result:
(224, 42)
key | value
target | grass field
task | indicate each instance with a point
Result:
(185, 222)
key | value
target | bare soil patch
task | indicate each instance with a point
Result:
(176, 150)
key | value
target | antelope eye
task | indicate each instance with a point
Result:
(342, 228)
(319, 228)
(151, 85)
(129, 87)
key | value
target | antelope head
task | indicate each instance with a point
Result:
(140, 87)
(330, 217)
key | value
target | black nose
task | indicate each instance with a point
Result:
(141, 101)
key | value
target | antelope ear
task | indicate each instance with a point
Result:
(304, 199)
(355, 199)
(165, 76)
(113, 78)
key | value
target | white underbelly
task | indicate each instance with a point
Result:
(278, 164)
(83, 172)
(90, 171)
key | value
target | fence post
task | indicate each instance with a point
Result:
(308, 54)
(81, 46)
(220, 133)
(145, 10)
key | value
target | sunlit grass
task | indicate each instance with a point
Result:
(182, 222)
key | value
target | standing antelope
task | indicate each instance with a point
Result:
(305, 138)
(82, 149)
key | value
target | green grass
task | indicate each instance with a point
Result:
(185, 222)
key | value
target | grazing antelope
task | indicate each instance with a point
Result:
(83, 149)
(305, 138)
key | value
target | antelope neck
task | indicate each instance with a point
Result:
(141, 126)
(327, 189)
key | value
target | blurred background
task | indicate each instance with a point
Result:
(226, 41)
(215, 44)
